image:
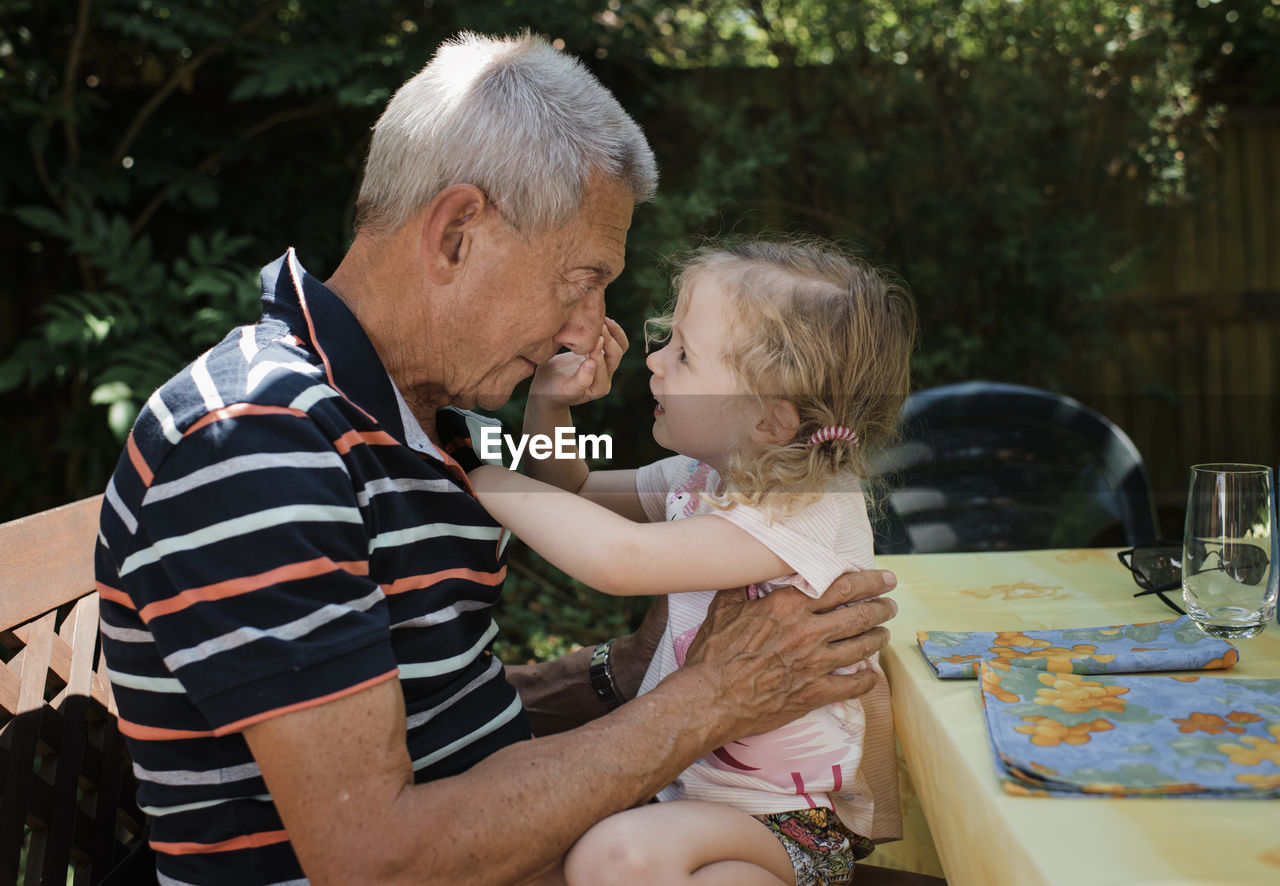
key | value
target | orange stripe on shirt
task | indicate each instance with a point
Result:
(303, 705)
(238, 410)
(417, 582)
(233, 587)
(139, 463)
(245, 841)
(352, 439)
(159, 733)
(115, 596)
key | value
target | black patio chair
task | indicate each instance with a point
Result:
(987, 466)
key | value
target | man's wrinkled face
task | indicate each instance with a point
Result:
(523, 298)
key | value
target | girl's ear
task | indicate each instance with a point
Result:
(778, 424)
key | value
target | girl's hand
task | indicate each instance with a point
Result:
(569, 379)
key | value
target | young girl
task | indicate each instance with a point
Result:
(786, 366)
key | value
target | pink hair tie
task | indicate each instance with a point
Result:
(834, 432)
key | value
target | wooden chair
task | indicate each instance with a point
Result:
(991, 466)
(67, 811)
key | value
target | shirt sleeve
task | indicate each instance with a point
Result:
(820, 543)
(654, 481)
(251, 571)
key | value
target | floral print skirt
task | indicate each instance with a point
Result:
(822, 850)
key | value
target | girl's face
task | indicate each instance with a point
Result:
(701, 410)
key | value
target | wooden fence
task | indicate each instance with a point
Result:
(1194, 375)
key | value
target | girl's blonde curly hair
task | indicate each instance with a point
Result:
(823, 330)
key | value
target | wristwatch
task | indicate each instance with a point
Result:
(601, 676)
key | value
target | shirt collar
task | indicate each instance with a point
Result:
(315, 314)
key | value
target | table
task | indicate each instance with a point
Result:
(985, 837)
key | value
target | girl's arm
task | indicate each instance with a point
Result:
(617, 556)
(615, 490)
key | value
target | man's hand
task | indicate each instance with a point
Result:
(774, 658)
(570, 379)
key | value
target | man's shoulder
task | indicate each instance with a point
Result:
(246, 370)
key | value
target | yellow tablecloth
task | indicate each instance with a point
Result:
(985, 837)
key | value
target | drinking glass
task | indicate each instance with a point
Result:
(1228, 584)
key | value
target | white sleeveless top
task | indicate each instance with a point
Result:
(841, 756)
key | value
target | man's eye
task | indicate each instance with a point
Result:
(681, 356)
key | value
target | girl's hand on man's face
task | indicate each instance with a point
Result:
(570, 379)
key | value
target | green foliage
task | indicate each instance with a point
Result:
(1238, 59)
(140, 189)
(981, 147)
(123, 339)
(548, 614)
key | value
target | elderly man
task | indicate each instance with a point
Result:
(297, 582)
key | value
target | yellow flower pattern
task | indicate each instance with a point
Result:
(991, 686)
(1073, 694)
(1210, 723)
(1254, 749)
(1047, 732)
(1017, 638)
(1263, 782)
(1057, 659)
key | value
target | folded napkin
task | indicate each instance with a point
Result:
(1174, 645)
(1070, 734)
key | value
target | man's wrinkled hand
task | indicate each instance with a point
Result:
(776, 658)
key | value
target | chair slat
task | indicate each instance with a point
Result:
(81, 630)
(115, 805)
(74, 647)
(10, 683)
(46, 560)
(20, 735)
(69, 762)
(36, 659)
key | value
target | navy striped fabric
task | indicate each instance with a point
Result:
(270, 542)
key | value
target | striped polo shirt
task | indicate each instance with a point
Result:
(280, 533)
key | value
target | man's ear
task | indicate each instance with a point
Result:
(447, 225)
(778, 425)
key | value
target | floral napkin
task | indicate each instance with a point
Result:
(1062, 734)
(1174, 645)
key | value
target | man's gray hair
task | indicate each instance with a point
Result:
(516, 118)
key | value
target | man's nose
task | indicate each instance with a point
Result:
(582, 330)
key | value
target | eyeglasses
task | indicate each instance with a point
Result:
(1157, 565)
(1156, 568)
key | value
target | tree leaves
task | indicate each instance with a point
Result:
(301, 69)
